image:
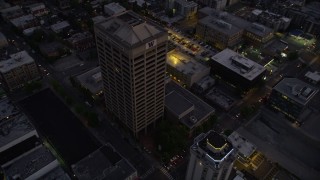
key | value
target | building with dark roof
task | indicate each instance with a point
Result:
(183, 106)
(258, 34)
(211, 157)
(104, 164)
(291, 96)
(236, 69)
(17, 135)
(35, 164)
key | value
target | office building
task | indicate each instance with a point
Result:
(185, 70)
(18, 70)
(132, 54)
(219, 28)
(187, 9)
(104, 163)
(291, 97)
(258, 34)
(239, 71)
(211, 157)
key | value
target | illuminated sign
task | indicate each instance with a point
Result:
(151, 44)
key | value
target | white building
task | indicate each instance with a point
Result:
(211, 157)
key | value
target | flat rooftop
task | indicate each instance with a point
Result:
(130, 28)
(223, 21)
(314, 76)
(56, 174)
(20, 21)
(91, 80)
(296, 90)
(244, 66)
(242, 144)
(60, 25)
(201, 109)
(184, 63)
(32, 163)
(215, 147)
(104, 163)
(15, 60)
(220, 98)
(115, 7)
(13, 124)
(177, 104)
(259, 29)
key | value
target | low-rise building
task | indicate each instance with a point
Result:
(113, 9)
(18, 70)
(3, 40)
(60, 26)
(220, 99)
(11, 13)
(275, 21)
(240, 71)
(313, 77)
(187, 9)
(82, 41)
(25, 22)
(212, 157)
(38, 163)
(183, 106)
(184, 69)
(92, 80)
(245, 149)
(38, 9)
(17, 135)
(104, 163)
(291, 97)
(215, 4)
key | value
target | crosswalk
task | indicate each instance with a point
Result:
(165, 172)
(146, 174)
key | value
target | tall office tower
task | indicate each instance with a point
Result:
(211, 157)
(132, 54)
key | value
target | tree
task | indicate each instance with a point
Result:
(293, 55)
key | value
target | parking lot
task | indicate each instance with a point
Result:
(283, 143)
